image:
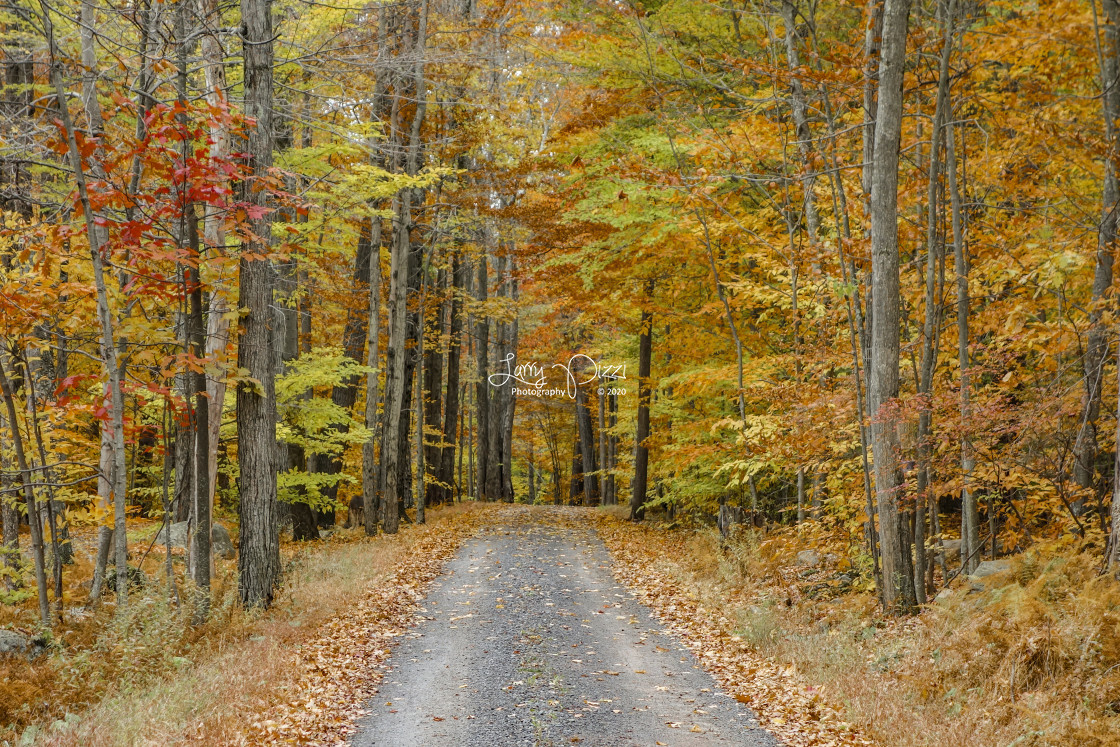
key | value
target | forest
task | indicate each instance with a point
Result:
(808, 303)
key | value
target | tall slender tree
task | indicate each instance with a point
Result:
(894, 531)
(258, 563)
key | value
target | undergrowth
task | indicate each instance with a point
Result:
(111, 678)
(1028, 658)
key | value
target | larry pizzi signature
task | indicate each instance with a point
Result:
(534, 376)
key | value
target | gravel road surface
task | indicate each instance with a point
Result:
(528, 640)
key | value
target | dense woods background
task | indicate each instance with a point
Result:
(260, 265)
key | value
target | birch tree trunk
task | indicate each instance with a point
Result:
(214, 236)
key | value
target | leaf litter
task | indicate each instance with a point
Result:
(340, 669)
(785, 705)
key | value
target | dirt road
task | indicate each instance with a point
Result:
(529, 641)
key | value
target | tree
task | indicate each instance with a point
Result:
(258, 562)
(641, 448)
(894, 533)
(1108, 56)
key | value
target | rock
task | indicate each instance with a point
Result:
(15, 644)
(944, 595)
(990, 568)
(220, 542)
(952, 548)
(977, 582)
(324, 533)
(808, 557)
(178, 535)
(136, 578)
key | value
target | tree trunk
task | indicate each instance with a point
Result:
(33, 366)
(405, 326)
(1112, 559)
(373, 328)
(458, 494)
(532, 484)
(421, 461)
(576, 495)
(433, 396)
(293, 456)
(258, 562)
(603, 463)
(354, 339)
(214, 234)
(10, 515)
(857, 334)
(97, 236)
(395, 365)
(184, 456)
(930, 326)
(482, 394)
(1096, 349)
(200, 539)
(200, 556)
(970, 517)
(641, 451)
(800, 495)
(104, 500)
(587, 449)
(509, 398)
(800, 108)
(894, 534)
(452, 414)
(411, 358)
(495, 395)
(37, 552)
(612, 450)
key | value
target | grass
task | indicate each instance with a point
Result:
(1033, 659)
(151, 678)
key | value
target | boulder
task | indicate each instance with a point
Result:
(990, 568)
(977, 580)
(951, 548)
(808, 557)
(220, 542)
(178, 535)
(16, 644)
